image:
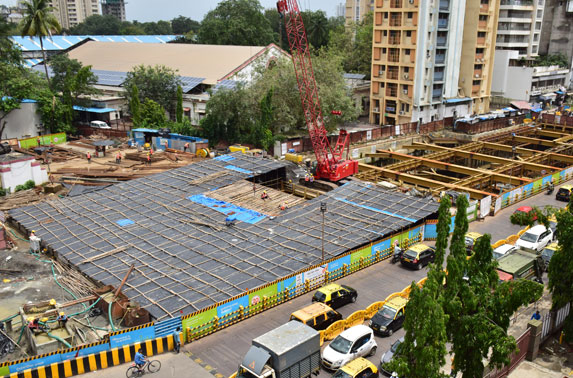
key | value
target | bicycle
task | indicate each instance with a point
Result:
(152, 367)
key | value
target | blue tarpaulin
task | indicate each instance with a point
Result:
(94, 110)
(225, 158)
(375, 209)
(125, 222)
(234, 212)
(233, 168)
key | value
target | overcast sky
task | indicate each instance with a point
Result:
(155, 10)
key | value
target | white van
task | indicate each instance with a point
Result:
(357, 341)
(535, 239)
(99, 125)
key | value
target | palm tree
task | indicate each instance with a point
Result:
(39, 21)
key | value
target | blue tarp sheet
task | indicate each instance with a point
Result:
(94, 110)
(124, 222)
(233, 168)
(234, 212)
(225, 158)
(375, 209)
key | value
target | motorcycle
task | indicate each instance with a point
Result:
(549, 190)
(397, 256)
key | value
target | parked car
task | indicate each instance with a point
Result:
(358, 368)
(317, 315)
(503, 250)
(390, 317)
(418, 256)
(389, 355)
(564, 193)
(547, 254)
(525, 210)
(470, 241)
(535, 239)
(335, 295)
(357, 341)
(99, 125)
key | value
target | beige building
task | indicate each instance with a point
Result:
(431, 59)
(115, 8)
(357, 9)
(73, 12)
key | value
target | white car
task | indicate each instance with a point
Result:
(535, 239)
(357, 341)
(99, 125)
(503, 250)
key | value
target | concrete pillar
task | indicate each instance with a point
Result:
(535, 327)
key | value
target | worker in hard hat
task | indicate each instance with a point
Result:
(34, 242)
(264, 195)
(62, 320)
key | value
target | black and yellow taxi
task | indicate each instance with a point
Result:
(390, 317)
(418, 256)
(564, 193)
(335, 295)
(470, 241)
(317, 315)
(358, 368)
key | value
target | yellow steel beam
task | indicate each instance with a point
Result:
(484, 157)
(425, 182)
(529, 152)
(547, 133)
(535, 141)
(449, 167)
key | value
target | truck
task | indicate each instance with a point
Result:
(289, 351)
(520, 264)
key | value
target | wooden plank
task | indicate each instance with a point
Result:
(102, 255)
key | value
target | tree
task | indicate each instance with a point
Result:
(236, 22)
(9, 53)
(422, 354)
(317, 28)
(39, 21)
(560, 272)
(157, 28)
(478, 307)
(158, 83)
(74, 82)
(179, 110)
(354, 45)
(184, 25)
(98, 25)
(278, 27)
(262, 135)
(134, 106)
(152, 115)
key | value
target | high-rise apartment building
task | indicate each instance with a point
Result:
(73, 12)
(114, 8)
(431, 59)
(357, 9)
(557, 33)
(519, 26)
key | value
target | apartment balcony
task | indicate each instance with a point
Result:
(515, 20)
(438, 76)
(476, 90)
(443, 23)
(391, 109)
(391, 92)
(396, 20)
(480, 41)
(516, 5)
(394, 40)
(513, 31)
(482, 24)
(395, 3)
(394, 58)
(392, 75)
(479, 58)
(512, 44)
(484, 8)
(404, 97)
(441, 41)
(444, 5)
(478, 74)
(440, 59)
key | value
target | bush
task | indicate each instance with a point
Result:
(522, 219)
(2, 192)
(30, 184)
(19, 188)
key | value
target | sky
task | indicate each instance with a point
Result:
(155, 10)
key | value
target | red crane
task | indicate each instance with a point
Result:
(331, 163)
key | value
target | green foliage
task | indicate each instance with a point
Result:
(184, 25)
(30, 184)
(354, 45)
(9, 53)
(157, 28)
(236, 22)
(262, 135)
(521, 218)
(317, 28)
(2, 192)
(152, 115)
(158, 83)
(560, 272)
(135, 106)
(179, 109)
(183, 128)
(558, 59)
(98, 25)
(19, 188)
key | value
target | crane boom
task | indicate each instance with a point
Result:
(331, 165)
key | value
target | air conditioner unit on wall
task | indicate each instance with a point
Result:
(406, 76)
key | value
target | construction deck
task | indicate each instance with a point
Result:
(198, 235)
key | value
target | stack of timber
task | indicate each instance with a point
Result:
(18, 199)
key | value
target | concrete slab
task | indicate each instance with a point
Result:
(531, 370)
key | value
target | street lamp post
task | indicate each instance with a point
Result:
(323, 210)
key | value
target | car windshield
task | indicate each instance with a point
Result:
(411, 254)
(341, 374)
(395, 346)
(319, 296)
(341, 345)
(563, 192)
(497, 255)
(548, 252)
(292, 317)
(469, 241)
(529, 237)
(387, 312)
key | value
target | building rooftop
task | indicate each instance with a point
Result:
(211, 62)
(194, 243)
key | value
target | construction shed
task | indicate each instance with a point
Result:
(201, 234)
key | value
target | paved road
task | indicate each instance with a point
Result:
(225, 349)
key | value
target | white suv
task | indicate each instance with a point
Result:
(535, 239)
(357, 341)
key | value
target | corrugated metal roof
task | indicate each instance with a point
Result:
(62, 42)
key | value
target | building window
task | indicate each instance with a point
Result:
(484, 2)
(406, 69)
(538, 26)
(383, 50)
(407, 51)
(385, 14)
(408, 33)
(410, 15)
(385, 33)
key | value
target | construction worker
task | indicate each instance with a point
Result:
(34, 242)
(89, 157)
(306, 179)
(62, 320)
(118, 157)
(284, 206)
(39, 141)
(311, 178)
(186, 147)
(264, 195)
(177, 340)
(148, 158)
